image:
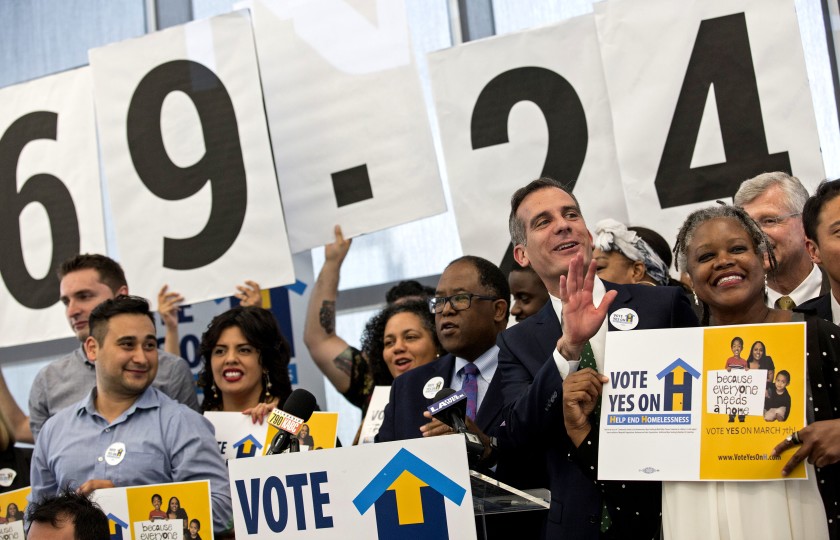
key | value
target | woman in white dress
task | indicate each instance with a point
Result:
(723, 250)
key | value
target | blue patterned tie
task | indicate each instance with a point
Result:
(470, 387)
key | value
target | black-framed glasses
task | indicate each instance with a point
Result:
(459, 302)
(773, 221)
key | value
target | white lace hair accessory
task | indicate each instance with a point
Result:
(610, 235)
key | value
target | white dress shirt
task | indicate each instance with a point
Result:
(598, 341)
(808, 289)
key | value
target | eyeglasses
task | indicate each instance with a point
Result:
(459, 302)
(770, 222)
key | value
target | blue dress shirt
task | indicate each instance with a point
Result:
(164, 440)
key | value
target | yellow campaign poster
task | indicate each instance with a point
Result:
(158, 511)
(754, 395)
(12, 509)
(318, 433)
(702, 403)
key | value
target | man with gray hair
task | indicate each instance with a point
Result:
(775, 200)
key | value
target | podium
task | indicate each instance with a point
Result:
(501, 508)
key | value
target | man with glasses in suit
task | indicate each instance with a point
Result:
(471, 307)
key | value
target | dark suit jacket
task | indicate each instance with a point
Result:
(820, 306)
(534, 418)
(404, 412)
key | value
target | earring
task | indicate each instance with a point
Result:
(696, 300)
(766, 287)
(267, 386)
(213, 388)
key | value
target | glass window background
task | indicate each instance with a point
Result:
(41, 37)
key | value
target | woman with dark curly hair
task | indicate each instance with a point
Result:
(246, 363)
(403, 336)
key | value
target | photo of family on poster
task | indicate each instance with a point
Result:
(174, 511)
(776, 396)
(12, 514)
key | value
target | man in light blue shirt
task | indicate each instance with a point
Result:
(126, 432)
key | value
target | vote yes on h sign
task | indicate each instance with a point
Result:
(50, 201)
(188, 162)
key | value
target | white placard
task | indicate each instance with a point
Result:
(356, 492)
(237, 435)
(375, 414)
(170, 529)
(344, 100)
(190, 101)
(12, 531)
(692, 69)
(50, 199)
(515, 107)
(744, 390)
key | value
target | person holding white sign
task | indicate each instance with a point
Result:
(354, 373)
(86, 281)
(126, 432)
(246, 363)
(724, 252)
(546, 383)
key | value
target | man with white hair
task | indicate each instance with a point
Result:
(775, 200)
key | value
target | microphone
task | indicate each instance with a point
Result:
(451, 408)
(296, 411)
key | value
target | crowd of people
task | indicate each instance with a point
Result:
(532, 384)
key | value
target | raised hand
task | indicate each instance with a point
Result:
(337, 251)
(168, 303)
(581, 319)
(249, 294)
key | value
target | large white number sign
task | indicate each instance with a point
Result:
(188, 162)
(349, 127)
(50, 200)
(521, 106)
(704, 94)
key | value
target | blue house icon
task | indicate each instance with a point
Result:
(116, 526)
(247, 447)
(408, 495)
(678, 385)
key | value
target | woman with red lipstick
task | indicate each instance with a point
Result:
(723, 251)
(246, 363)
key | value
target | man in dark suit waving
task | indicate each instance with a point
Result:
(471, 306)
(551, 365)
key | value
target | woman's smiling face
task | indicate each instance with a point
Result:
(725, 267)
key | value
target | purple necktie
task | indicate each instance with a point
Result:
(470, 387)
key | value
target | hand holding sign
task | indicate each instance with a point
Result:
(581, 392)
(820, 443)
